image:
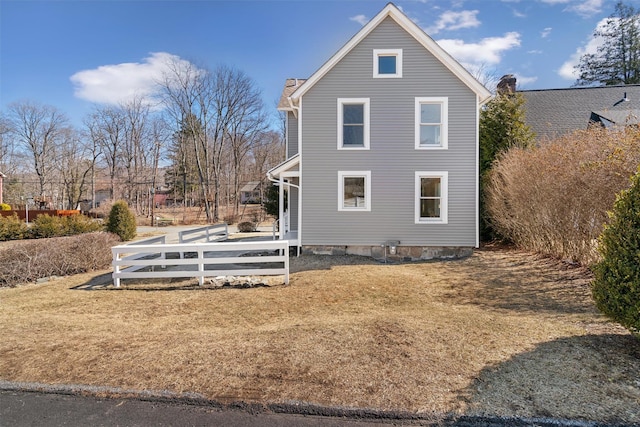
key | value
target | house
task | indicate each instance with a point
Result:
(555, 112)
(382, 148)
(250, 192)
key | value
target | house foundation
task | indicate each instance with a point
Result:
(403, 253)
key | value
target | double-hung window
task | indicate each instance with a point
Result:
(387, 63)
(353, 123)
(431, 193)
(431, 123)
(354, 190)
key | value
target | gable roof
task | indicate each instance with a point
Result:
(555, 112)
(390, 10)
(250, 186)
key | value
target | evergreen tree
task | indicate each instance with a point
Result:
(616, 287)
(617, 60)
(502, 126)
(122, 221)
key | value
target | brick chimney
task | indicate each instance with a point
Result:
(507, 84)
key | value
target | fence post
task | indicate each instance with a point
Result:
(116, 268)
(200, 267)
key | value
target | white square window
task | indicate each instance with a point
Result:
(354, 190)
(353, 123)
(431, 193)
(387, 63)
(431, 123)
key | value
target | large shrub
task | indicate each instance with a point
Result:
(46, 226)
(27, 261)
(79, 224)
(56, 226)
(616, 287)
(121, 221)
(12, 228)
(554, 198)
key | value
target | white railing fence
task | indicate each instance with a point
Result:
(139, 261)
(210, 233)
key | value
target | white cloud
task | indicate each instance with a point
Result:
(360, 19)
(545, 33)
(487, 51)
(116, 83)
(455, 20)
(587, 7)
(567, 70)
(581, 7)
(524, 80)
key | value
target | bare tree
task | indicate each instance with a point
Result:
(38, 129)
(76, 161)
(134, 150)
(6, 145)
(246, 124)
(106, 128)
(187, 96)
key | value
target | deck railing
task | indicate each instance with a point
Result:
(140, 261)
(210, 233)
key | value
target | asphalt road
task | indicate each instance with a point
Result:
(20, 408)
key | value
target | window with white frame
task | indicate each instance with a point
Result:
(353, 123)
(431, 123)
(387, 63)
(354, 190)
(431, 194)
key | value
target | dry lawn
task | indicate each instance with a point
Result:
(500, 333)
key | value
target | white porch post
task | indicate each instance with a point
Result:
(281, 206)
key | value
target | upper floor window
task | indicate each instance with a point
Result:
(353, 123)
(431, 123)
(387, 63)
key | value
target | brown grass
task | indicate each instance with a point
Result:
(501, 333)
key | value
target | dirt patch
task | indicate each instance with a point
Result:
(500, 333)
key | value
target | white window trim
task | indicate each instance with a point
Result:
(444, 129)
(351, 101)
(387, 52)
(367, 190)
(444, 197)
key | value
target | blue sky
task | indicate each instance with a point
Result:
(75, 54)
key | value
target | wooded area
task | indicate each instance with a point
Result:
(196, 144)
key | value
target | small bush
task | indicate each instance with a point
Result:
(12, 228)
(5, 207)
(616, 287)
(122, 221)
(79, 224)
(27, 261)
(247, 227)
(47, 226)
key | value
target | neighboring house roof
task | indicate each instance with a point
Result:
(414, 30)
(250, 186)
(289, 87)
(555, 112)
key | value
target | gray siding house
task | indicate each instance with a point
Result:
(382, 148)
